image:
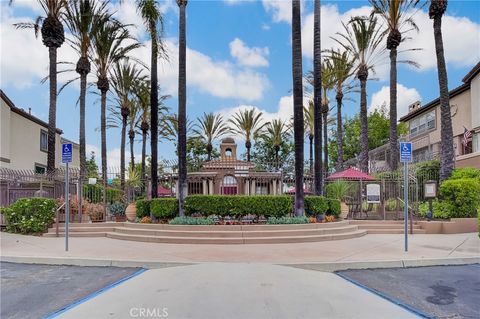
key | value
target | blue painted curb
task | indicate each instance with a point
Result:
(93, 295)
(387, 297)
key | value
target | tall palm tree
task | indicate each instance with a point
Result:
(182, 105)
(309, 113)
(447, 157)
(247, 123)
(327, 86)
(276, 132)
(342, 70)
(398, 16)
(109, 46)
(133, 121)
(298, 125)
(152, 17)
(53, 36)
(317, 98)
(362, 39)
(210, 127)
(124, 76)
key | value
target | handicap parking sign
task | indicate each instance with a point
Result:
(405, 152)
(67, 153)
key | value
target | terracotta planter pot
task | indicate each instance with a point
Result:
(131, 212)
(344, 210)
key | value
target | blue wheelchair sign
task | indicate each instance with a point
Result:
(67, 153)
(406, 152)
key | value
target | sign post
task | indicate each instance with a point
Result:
(67, 158)
(405, 158)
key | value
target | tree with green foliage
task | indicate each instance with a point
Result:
(91, 167)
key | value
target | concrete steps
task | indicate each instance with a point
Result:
(386, 226)
(214, 234)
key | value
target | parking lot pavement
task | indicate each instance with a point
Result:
(438, 291)
(34, 291)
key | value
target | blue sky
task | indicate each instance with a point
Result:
(239, 56)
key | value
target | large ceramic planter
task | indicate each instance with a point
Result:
(120, 218)
(344, 210)
(131, 212)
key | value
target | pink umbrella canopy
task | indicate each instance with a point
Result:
(163, 192)
(352, 173)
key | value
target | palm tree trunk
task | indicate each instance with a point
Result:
(325, 138)
(339, 98)
(394, 149)
(154, 113)
(182, 101)
(131, 136)
(310, 138)
(298, 120)
(248, 145)
(144, 144)
(363, 158)
(122, 153)
(317, 92)
(52, 110)
(103, 129)
(447, 156)
(83, 92)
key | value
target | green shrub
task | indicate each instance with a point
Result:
(391, 205)
(117, 209)
(164, 208)
(466, 172)
(440, 210)
(238, 206)
(316, 205)
(143, 208)
(462, 195)
(29, 215)
(287, 220)
(191, 221)
(334, 207)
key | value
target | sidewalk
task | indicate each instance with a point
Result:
(369, 248)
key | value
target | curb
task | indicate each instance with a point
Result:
(320, 266)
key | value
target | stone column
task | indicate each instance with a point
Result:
(204, 187)
(210, 187)
(253, 187)
(247, 187)
(274, 186)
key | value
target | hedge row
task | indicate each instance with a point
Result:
(94, 194)
(29, 215)
(236, 206)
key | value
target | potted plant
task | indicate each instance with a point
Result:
(94, 211)
(339, 190)
(117, 210)
(133, 182)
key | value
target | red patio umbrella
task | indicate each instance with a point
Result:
(164, 192)
(352, 174)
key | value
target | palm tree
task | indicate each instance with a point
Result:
(342, 70)
(309, 113)
(327, 85)
(298, 125)
(362, 39)
(317, 98)
(182, 104)
(277, 132)
(53, 36)
(436, 10)
(109, 47)
(398, 15)
(210, 127)
(152, 16)
(133, 121)
(247, 123)
(124, 76)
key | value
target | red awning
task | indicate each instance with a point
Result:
(291, 191)
(163, 192)
(351, 173)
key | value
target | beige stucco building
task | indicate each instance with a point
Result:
(24, 138)
(424, 123)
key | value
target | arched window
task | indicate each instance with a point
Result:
(229, 185)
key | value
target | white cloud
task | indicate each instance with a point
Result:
(113, 156)
(405, 97)
(234, 2)
(265, 27)
(254, 57)
(280, 10)
(460, 51)
(218, 78)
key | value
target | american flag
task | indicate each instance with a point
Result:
(467, 136)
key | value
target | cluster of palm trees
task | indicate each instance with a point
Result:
(106, 44)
